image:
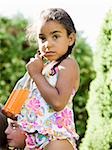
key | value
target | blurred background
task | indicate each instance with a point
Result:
(93, 51)
(87, 15)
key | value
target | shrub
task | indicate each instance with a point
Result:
(14, 53)
(99, 129)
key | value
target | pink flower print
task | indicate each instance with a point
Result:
(24, 125)
(67, 117)
(64, 119)
(33, 104)
(59, 121)
(30, 141)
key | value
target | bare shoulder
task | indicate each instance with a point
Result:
(72, 71)
(71, 64)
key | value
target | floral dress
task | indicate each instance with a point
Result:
(41, 122)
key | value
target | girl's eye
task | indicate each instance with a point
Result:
(43, 39)
(55, 37)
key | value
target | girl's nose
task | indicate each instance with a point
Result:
(7, 131)
(48, 43)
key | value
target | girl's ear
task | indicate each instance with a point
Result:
(72, 38)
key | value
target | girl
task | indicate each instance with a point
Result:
(47, 115)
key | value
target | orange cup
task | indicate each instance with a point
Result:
(15, 102)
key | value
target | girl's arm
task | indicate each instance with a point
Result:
(68, 80)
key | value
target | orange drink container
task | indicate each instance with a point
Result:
(14, 103)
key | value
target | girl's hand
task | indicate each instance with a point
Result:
(35, 66)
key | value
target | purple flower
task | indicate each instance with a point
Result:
(64, 119)
(33, 104)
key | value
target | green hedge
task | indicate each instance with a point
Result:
(84, 55)
(14, 53)
(99, 129)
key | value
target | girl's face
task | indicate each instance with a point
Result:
(15, 136)
(53, 40)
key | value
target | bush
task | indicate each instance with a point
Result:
(84, 55)
(14, 53)
(99, 129)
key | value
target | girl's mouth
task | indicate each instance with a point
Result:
(49, 53)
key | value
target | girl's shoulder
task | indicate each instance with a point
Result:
(70, 63)
(72, 71)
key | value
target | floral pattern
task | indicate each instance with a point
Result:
(64, 120)
(42, 122)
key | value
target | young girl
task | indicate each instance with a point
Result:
(47, 115)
